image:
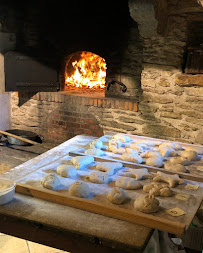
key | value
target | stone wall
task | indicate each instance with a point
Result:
(162, 102)
(174, 112)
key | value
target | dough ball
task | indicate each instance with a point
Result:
(66, 171)
(178, 160)
(120, 151)
(138, 147)
(165, 192)
(81, 161)
(146, 142)
(155, 161)
(154, 191)
(167, 152)
(96, 144)
(123, 138)
(112, 149)
(94, 151)
(51, 181)
(110, 167)
(178, 146)
(148, 187)
(146, 204)
(117, 196)
(196, 149)
(189, 155)
(116, 143)
(175, 167)
(151, 154)
(128, 183)
(99, 177)
(131, 158)
(139, 174)
(80, 189)
(131, 151)
(172, 180)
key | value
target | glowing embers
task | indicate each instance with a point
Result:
(85, 70)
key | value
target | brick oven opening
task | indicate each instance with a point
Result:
(84, 71)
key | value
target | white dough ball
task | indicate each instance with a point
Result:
(51, 181)
(80, 189)
(96, 144)
(123, 138)
(175, 167)
(117, 196)
(99, 177)
(110, 167)
(66, 171)
(165, 192)
(128, 183)
(81, 161)
(196, 149)
(155, 161)
(131, 158)
(117, 143)
(167, 152)
(189, 155)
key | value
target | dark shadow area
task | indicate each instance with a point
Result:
(48, 31)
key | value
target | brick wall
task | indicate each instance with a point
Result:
(59, 116)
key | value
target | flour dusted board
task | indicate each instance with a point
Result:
(98, 203)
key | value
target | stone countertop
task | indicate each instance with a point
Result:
(104, 232)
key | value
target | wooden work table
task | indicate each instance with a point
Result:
(62, 226)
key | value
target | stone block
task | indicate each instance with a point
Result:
(159, 130)
(188, 80)
(171, 115)
(199, 137)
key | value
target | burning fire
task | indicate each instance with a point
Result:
(88, 72)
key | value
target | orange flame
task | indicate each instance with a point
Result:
(89, 72)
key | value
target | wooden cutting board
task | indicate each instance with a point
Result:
(29, 184)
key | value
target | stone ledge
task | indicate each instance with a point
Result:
(101, 102)
(189, 80)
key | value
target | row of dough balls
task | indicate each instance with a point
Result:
(116, 195)
(167, 149)
(136, 151)
(144, 203)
